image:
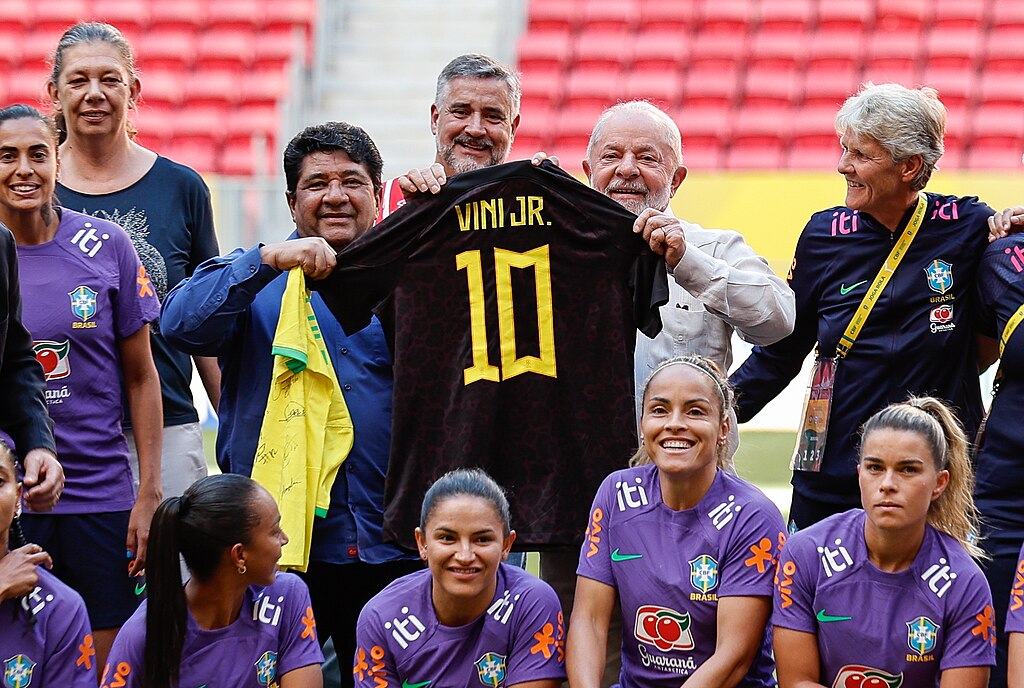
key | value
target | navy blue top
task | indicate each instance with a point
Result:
(919, 338)
(169, 218)
(229, 308)
(1000, 478)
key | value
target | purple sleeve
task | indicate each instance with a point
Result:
(299, 646)
(538, 642)
(136, 301)
(794, 586)
(748, 565)
(373, 660)
(124, 664)
(72, 659)
(595, 559)
(970, 638)
(1015, 612)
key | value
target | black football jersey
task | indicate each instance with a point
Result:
(513, 298)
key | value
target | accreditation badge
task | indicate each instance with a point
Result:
(810, 444)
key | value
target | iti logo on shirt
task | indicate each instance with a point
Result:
(704, 573)
(491, 669)
(857, 676)
(83, 302)
(940, 276)
(87, 241)
(664, 628)
(922, 633)
(53, 357)
(266, 668)
(18, 671)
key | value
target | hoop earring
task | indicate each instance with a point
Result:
(242, 569)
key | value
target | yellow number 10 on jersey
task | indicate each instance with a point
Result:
(511, 363)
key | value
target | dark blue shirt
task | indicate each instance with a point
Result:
(167, 214)
(919, 338)
(1000, 465)
(229, 308)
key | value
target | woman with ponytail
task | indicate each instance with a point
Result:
(889, 594)
(237, 621)
(45, 638)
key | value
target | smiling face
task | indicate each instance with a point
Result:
(94, 90)
(632, 162)
(474, 125)
(683, 424)
(874, 183)
(266, 539)
(28, 166)
(334, 198)
(463, 541)
(898, 480)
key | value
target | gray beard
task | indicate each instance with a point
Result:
(460, 165)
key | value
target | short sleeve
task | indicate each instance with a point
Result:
(538, 642)
(1001, 265)
(970, 633)
(200, 221)
(373, 664)
(794, 587)
(748, 566)
(299, 646)
(1015, 612)
(595, 559)
(72, 653)
(124, 663)
(135, 301)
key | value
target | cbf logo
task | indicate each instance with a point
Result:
(940, 276)
(922, 633)
(266, 668)
(704, 573)
(83, 302)
(491, 669)
(18, 671)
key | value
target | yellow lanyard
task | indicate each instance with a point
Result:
(1011, 325)
(896, 255)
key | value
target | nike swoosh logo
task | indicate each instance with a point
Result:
(140, 588)
(624, 557)
(406, 684)
(826, 618)
(844, 290)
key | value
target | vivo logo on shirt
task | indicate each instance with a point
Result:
(834, 560)
(401, 632)
(939, 577)
(265, 611)
(87, 241)
(501, 608)
(724, 512)
(630, 496)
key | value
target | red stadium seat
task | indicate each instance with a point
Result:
(544, 50)
(598, 87)
(289, 13)
(57, 15)
(574, 123)
(610, 14)
(10, 55)
(955, 86)
(28, 85)
(954, 157)
(542, 88)
(664, 89)
(166, 48)
(997, 123)
(896, 73)
(998, 155)
(526, 144)
(214, 87)
(953, 48)
(703, 126)
(37, 46)
(703, 156)
(199, 122)
(960, 13)
(661, 49)
(162, 87)
(668, 14)
(845, 15)
(828, 85)
(763, 124)
(229, 47)
(813, 155)
(603, 49)
(188, 14)
(755, 154)
(264, 87)
(903, 15)
(958, 123)
(1006, 13)
(771, 86)
(732, 16)
(779, 50)
(835, 49)
(1004, 50)
(711, 84)
(535, 129)
(16, 13)
(278, 47)
(156, 123)
(721, 49)
(247, 121)
(131, 16)
(199, 155)
(236, 13)
(1000, 88)
(787, 15)
(547, 15)
(815, 125)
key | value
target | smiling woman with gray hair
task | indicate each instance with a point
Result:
(878, 334)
